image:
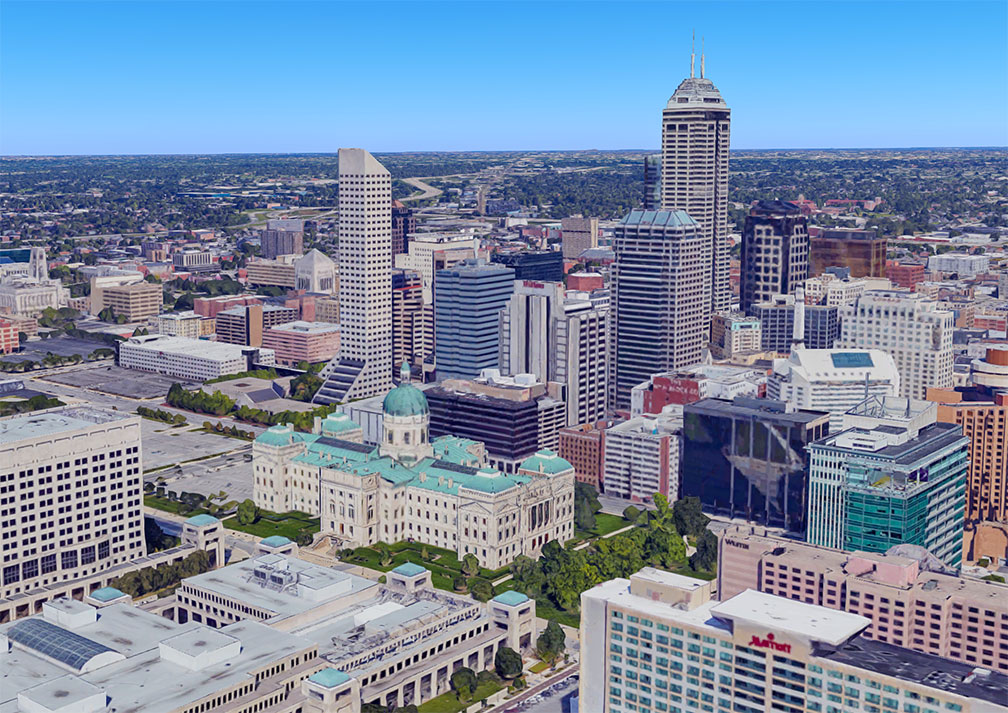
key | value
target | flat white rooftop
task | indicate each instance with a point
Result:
(200, 348)
(41, 425)
(301, 327)
(798, 618)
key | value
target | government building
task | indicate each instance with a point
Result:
(407, 487)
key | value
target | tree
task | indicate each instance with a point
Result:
(248, 513)
(705, 557)
(551, 642)
(463, 682)
(507, 663)
(584, 518)
(22, 337)
(470, 565)
(689, 519)
(384, 554)
(480, 589)
(459, 583)
(630, 513)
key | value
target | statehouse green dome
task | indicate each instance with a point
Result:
(405, 399)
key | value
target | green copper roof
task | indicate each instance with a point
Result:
(106, 594)
(409, 569)
(338, 423)
(277, 436)
(329, 677)
(275, 541)
(202, 520)
(545, 461)
(511, 598)
(405, 400)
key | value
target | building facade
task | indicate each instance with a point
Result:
(912, 599)
(193, 359)
(181, 324)
(403, 225)
(272, 273)
(315, 273)
(641, 458)
(860, 251)
(579, 234)
(537, 265)
(282, 237)
(71, 496)
(409, 333)
(775, 252)
(135, 302)
(659, 642)
(467, 301)
(734, 333)
(294, 342)
(912, 329)
(659, 308)
(694, 173)
(747, 458)
(364, 365)
(583, 446)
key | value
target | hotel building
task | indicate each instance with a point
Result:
(658, 642)
(912, 599)
(70, 496)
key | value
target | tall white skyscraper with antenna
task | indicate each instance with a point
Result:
(695, 138)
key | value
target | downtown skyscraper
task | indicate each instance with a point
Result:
(363, 366)
(694, 171)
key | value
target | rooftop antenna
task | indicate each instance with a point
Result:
(692, 54)
(702, 57)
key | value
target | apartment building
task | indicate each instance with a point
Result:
(70, 496)
(913, 600)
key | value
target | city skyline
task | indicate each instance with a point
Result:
(109, 78)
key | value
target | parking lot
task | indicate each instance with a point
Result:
(111, 379)
(60, 346)
(555, 699)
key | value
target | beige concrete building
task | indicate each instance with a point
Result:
(579, 234)
(278, 273)
(912, 329)
(441, 492)
(135, 302)
(70, 497)
(298, 341)
(430, 252)
(327, 308)
(910, 598)
(180, 324)
(364, 365)
(194, 359)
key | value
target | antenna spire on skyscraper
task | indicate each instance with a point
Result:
(692, 55)
(702, 72)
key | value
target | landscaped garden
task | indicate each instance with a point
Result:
(447, 571)
(296, 526)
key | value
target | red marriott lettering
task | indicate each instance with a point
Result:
(769, 643)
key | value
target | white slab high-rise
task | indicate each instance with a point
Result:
(695, 137)
(363, 368)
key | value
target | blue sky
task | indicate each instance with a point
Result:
(195, 77)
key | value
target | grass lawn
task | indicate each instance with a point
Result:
(547, 611)
(688, 571)
(443, 564)
(448, 703)
(604, 524)
(539, 667)
(153, 501)
(290, 524)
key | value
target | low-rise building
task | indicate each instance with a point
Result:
(962, 264)
(180, 324)
(194, 261)
(913, 600)
(136, 302)
(294, 342)
(713, 381)
(9, 342)
(193, 359)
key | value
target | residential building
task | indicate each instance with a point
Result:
(694, 174)
(889, 475)
(659, 309)
(913, 600)
(78, 453)
(409, 333)
(436, 490)
(764, 652)
(136, 302)
(962, 264)
(912, 329)
(193, 359)
(714, 381)
(514, 417)
(429, 252)
(282, 237)
(294, 342)
(246, 325)
(832, 380)
(272, 273)
(535, 265)
(578, 234)
(652, 182)
(747, 458)
(467, 301)
(194, 261)
(180, 324)
(583, 447)
(557, 337)
(733, 333)
(403, 225)
(315, 273)
(641, 457)
(860, 251)
(364, 365)
(775, 252)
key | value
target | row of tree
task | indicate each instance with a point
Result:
(153, 579)
(175, 419)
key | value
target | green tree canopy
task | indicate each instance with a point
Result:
(507, 663)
